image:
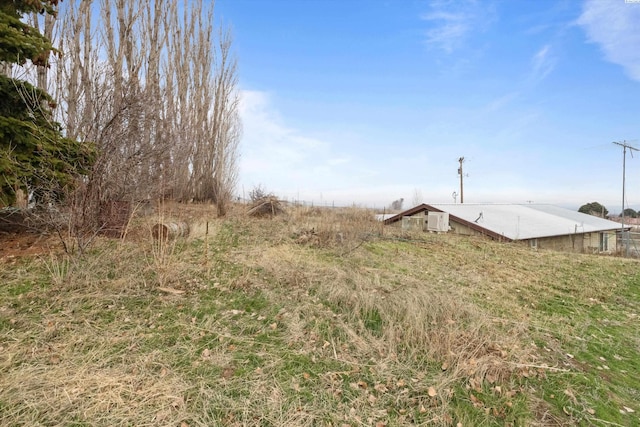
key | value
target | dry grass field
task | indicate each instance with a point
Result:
(317, 317)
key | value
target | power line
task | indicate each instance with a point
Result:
(460, 172)
(624, 146)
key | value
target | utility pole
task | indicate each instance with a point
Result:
(461, 160)
(624, 146)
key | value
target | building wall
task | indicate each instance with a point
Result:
(417, 222)
(464, 230)
(592, 242)
(578, 243)
(568, 243)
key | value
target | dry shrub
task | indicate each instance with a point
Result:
(309, 211)
(331, 227)
(266, 207)
(342, 229)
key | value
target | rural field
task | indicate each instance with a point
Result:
(316, 317)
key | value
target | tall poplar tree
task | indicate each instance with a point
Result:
(34, 154)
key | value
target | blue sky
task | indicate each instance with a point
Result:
(368, 101)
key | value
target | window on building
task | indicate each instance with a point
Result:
(533, 243)
(604, 242)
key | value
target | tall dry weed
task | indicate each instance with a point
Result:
(163, 249)
(386, 308)
(416, 322)
(344, 228)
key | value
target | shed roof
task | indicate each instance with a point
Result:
(517, 221)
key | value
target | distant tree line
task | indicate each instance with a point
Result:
(597, 209)
(396, 205)
(630, 213)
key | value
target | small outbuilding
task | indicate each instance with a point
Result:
(540, 226)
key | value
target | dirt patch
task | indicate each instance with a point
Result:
(13, 221)
(18, 238)
(18, 245)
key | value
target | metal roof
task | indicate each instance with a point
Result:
(518, 221)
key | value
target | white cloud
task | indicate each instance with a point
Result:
(339, 160)
(282, 158)
(613, 25)
(501, 102)
(454, 20)
(542, 63)
(269, 146)
(334, 168)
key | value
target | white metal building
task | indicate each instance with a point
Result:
(540, 226)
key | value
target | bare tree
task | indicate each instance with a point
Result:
(156, 93)
(417, 197)
(259, 192)
(47, 31)
(226, 125)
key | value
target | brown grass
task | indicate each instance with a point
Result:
(354, 324)
(421, 319)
